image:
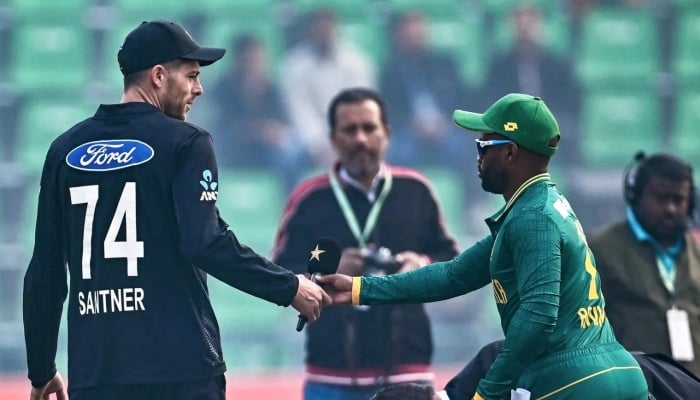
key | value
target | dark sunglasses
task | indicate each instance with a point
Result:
(483, 145)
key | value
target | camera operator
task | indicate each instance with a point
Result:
(386, 220)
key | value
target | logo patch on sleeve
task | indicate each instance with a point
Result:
(108, 155)
(210, 191)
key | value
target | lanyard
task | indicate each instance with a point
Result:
(351, 218)
(668, 275)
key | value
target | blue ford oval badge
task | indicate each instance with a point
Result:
(108, 155)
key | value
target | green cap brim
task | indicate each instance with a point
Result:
(470, 121)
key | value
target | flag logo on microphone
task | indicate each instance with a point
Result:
(315, 265)
(316, 254)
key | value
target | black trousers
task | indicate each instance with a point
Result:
(206, 389)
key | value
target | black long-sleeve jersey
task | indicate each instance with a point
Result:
(127, 203)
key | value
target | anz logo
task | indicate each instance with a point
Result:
(108, 155)
(209, 193)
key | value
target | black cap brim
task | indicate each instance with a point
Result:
(205, 55)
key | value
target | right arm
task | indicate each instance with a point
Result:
(45, 283)
(434, 282)
(206, 241)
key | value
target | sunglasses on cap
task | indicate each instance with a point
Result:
(483, 145)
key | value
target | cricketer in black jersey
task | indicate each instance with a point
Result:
(127, 204)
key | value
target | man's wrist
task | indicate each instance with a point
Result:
(355, 291)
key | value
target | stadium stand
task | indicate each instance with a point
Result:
(615, 122)
(685, 141)
(686, 5)
(42, 119)
(50, 55)
(251, 201)
(619, 48)
(157, 9)
(30, 9)
(556, 35)
(685, 62)
(447, 185)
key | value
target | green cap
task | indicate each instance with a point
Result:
(522, 118)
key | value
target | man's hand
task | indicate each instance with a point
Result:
(351, 262)
(338, 286)
(310, 299)
(55, 385)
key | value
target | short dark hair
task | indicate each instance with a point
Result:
(405, 391)
(136, 77)
(355, 95)
(661, 165)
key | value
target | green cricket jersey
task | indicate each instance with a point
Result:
(544, 282)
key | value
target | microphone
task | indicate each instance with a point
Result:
(324, 259)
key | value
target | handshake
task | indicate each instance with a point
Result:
(334, 274)
(311, 298)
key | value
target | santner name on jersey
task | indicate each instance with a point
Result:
(110, 300)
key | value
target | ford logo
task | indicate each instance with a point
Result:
(108, 155)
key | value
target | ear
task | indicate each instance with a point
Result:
(511, 153)
(157, 75)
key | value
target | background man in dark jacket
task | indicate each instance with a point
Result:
(386, 219)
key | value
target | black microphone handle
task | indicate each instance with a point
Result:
(301, 322)
(302, 319)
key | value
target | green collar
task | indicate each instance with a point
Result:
(495, 218)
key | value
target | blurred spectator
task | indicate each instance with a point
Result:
(528, 67)
(387, 221)
(421, 86)
(649, 263)
(314, 70)
(250, 125)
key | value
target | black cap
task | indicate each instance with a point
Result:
(157, 42)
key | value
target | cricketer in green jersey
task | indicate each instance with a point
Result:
(558, 342)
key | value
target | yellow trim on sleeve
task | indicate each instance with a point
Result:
(356, 287)
(477, 396)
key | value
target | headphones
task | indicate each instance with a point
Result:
(640, 166)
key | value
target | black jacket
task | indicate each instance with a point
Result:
(381, 338)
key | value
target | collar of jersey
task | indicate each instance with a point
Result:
(124, 109)
(535, 179)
